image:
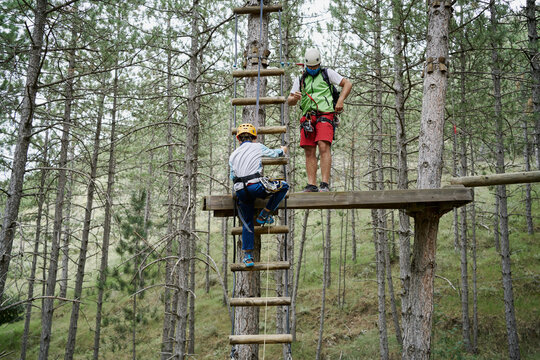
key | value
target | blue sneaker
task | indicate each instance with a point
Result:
(268, 219)
(248, 260)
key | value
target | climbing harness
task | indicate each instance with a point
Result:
(271, 185)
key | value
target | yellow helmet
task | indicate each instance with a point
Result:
(246, 128)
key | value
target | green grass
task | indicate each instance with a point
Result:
(351, 331)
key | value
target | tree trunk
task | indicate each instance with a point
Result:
(528, 188)
(496, 230)
(534, 60)
(208, 221)
(380, 223)
(48, 304)
(167, 339)
(248, 282)
(465, 325)
(67, 226)
(72, 334)
(224, 256)
(511, 326)
(186, 199)
(353, 212)
(297, 273)
(326, 279)
(395, 316)
(107, 222)
(474, 267)
(418, 315)
(32, 278)
(401, 150)
(15, 190)
(195, 90)
(65, 134)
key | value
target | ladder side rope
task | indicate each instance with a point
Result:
(233, 293)
(259, 62)
(286, 236)
(261, 2)
(266, 297)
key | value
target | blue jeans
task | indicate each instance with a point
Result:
(247, 208)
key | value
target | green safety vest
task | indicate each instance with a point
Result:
(319, 90)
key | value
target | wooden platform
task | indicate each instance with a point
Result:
(443, 199)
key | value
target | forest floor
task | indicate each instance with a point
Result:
(350, 329)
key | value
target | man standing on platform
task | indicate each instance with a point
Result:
(320, 102)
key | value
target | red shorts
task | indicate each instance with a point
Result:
(323, 131)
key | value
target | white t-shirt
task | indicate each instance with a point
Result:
(333, 76)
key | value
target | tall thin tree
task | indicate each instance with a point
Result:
(511, 325)
(418, 316)
(15, 190)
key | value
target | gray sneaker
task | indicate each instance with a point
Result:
(311, 188)
(324, 187)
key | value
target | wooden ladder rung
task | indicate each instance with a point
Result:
(256, 9)
(261, 339)
(261, 266)
(278, 229)
(262, 100)
(255, 73)
(265, 130)
(275, 161)
(260, 301)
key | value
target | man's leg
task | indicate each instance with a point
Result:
(326, 160)
(311, 164)
(247, 212)
(276, 198)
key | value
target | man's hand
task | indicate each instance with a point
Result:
(339, 106)
(294, 98)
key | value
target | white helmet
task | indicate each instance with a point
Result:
(312, 57)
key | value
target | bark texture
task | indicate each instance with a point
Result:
(418, 315)
(534, 59)
(33, 268)
(15, 190)
(401, 151)
(511, 326)
(107, 222)
(79, 279)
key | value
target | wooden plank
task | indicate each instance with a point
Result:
(259, 230)
(275, 161)
(261, 339)
(262, 266)
(497, 179)
(262, 100)
(411, 200)
(254, 10)
(260, 301)
(255, 73)
(265, 130)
